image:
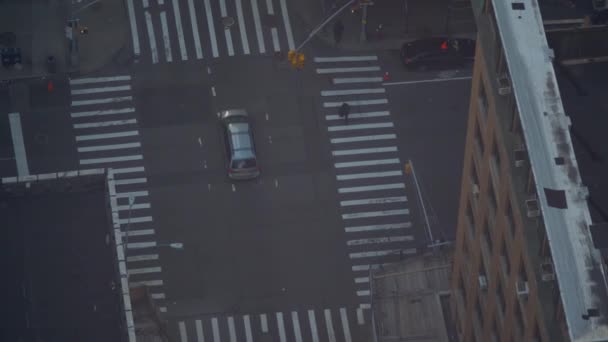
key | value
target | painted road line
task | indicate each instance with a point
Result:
(359, 115)
(132, 220)
(348, 80)
(87, 80)
(370, 175)
(200, 336)
(355, 103)
(247, 324)
(132, 194)
(371, 188)
(146, 3)
(365, 306)
(18, 144)
(139, 232)
(363, 293)
(166, 39)
(364, 268)
(231, 329)
(102, 101)
(386, 239)
(105, 123)
(375, 214)
(258, 26)
(99, 90)
(143, 257)
(133, 23)
(372, 254)
(110, 159)
(345, 59)
(369, 201)
(360, 317)
(270, 7)
(287, 23)
(313, 326)
(352, 92)
(103, 112)
(145, 283)
(242, 28)
(211, 27)
(331, 334)
(216, 329)
(282, 335)
(345, 327)
(130, 181)
(134, 207)
(227, 32)
(361, 280)
(295, 320)
(264, 323)
(368, 163)
(338, 153)
(194, 23)
(275, 39)
(343, 70)
(106, 135)
(428, 81)
(161, 2)
(157, 295)
(363, 138)
(151, 38)
(360, 126)
(144, 270)
(180, 30)
(128, 170)
(109, 147)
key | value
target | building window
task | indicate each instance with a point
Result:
(487, 241)
(536, 334)
(479, 313)
(492, 204)
(501, 300)
(470, 223)
(474, 186)
(495, 165)
(519, 324)
(509, 220)
(482, 100)
(495, 332)
(478, 140)
(504, 259)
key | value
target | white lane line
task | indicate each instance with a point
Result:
(134, 207)
(313, 326)
(128, 170)
(216, 329)
(429, 81)
(242, 28)
(338, 153)
(231, 329)
(365, 268)
(166, 38)
(110, 159)
(106, 135)
(363, 293)
(360, 280)
(295, 320)
(162, 308)
(130, 181)
(139, 232)
(331, 334)
(132, 194)
(363, 138)
(348, 80)
(282, 335)
(345, 59)
(143, 257)
(146, 3)
(275, 39)
(359, 115)
(360, 317)
(145, 283)
(183, 335)
(371, 188)
(109, 147)
(270, 7)
(360, 126)
(151, 38)
(227, 32)
(368, 163)
(366, 306)
(211, 27)
(200, 336)
(258, 26)
(180, 30)
(161, 2)
(99, 90)
(343, 70)
(369, 175)
(368, 201)
(102, 112)
(18, 144)
(247, 323)
(77, 81)
(386, 239)
(375, 214)
(264, 323)
(105, 123)
(353, 92)
(131, 220)
(195, 34)
(287, 23)
(157, 295)
(102, 101)
(372, 254)
(345, 327)
(144, 270)
(355, 103)
(133, 23)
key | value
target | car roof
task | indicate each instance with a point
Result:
(240, 140)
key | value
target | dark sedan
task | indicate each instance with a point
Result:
(437, 53)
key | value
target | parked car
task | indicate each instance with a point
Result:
(437, 53)
(240, 148)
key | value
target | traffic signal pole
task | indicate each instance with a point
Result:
(318, 28)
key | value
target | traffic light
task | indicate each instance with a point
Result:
(300, 61)
(296, 59)
(291, 56)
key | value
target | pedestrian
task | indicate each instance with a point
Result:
(338, 30)
(344, 111)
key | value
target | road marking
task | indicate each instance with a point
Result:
(368, 163)
(87, 80)
(258, 26)
(200, 336)
(157, 295)
(106, 135)
(151, 38)
(139, 232)
(275, 39)
(242, 28)
(313, 325)
(132, 194)
(180, 30)
(338, 153)
(130, 181)
(352, 92)
(99, 90)
(146, 3)
(360, 318)
(296, 326)
(365, 306)
(371, 188)
(161, 2)
(143, 257)
(110, 159)
(18, 144)
(144, 270)
(360, 126)
(331, 334)
(213, 91)
(369, 175)
(166, 38)
(360, 268)
(216, 329)
(264, 323)
(195, 35)
(105, 123)
(342, 70)
(227, 32)
(133, 23)
(247, 323)
(386, 239)
(355, 103)
(102, 101)
(281, 326)
(132, 220)
(348, 80)
(345, 327)
(287, 23)
(367, 201)
(102, 112)
(345, 59)
(162, 308)
(211, 27)
(428, 81)
(363, 138)
(270, 7)
(128, 170)
(358, 115)
(134, 207)
(231, 329)
(363, 293)
(109, 147)
(375, 214)
(145, 283)
(360, 280)
(372, 254)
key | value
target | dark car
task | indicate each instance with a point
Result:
(437, 53)
(238, 139)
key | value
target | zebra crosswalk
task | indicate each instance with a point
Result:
(182, 30)
(106, 132)
(373, 198)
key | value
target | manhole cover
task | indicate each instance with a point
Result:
(227, 22)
